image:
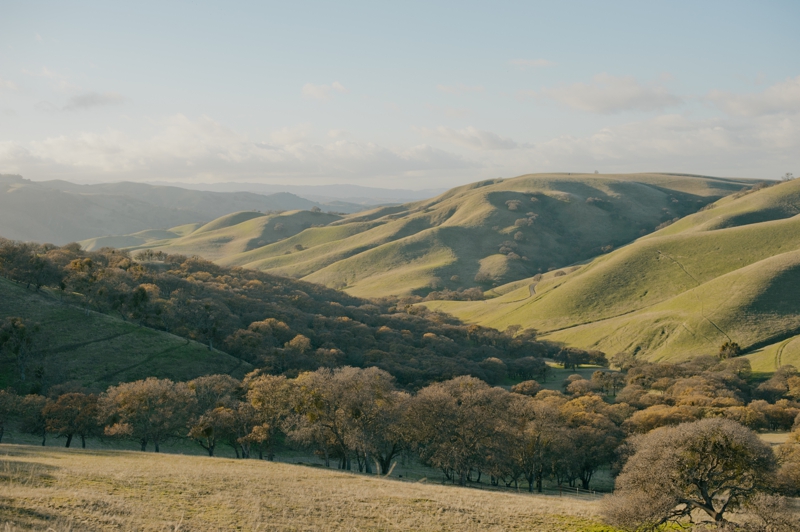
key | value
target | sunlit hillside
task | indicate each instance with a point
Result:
(483, 234)
(728, 273)
(226, 236)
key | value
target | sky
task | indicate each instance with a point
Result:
(408, 94)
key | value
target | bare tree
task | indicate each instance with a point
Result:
(712, 466)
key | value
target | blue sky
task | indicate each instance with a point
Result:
(400, 94)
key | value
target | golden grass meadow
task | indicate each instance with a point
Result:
(71, 490)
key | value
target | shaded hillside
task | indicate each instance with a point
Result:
(61, 212)
(279, 325)
(728, 273)
(483, 234)
(98, 350)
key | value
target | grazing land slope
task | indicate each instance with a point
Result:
(226, 236)
(727, 273)
(98, 350)
(102, 490)
(60, 212)
(484, 234)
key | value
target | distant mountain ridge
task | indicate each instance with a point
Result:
(328, 194)
(60, 212)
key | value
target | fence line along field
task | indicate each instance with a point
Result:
(70, 490)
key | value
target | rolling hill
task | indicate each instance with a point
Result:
(98, 350)
(226, 236)
(60, 212)
(728, 273)
(484, 234)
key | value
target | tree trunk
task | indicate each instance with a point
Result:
(530, 479)
(69, 440)
(539, 474)
(144, 444)
(83, 441)
(2, 431)
(157, 447)
(44, 437)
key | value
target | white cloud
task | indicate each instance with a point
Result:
(459, 89)
(322, 92)
(609, 94)
(531, 63)
(38, 37)
(203, 149)
(782, 97)
(765, 147)
(8, 85)
(93, 99)
(471, 137)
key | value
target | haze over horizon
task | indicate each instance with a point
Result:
(409, 96)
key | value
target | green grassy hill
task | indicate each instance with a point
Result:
(727, 273)
(226, 236)
(484, 234)
(98, 350)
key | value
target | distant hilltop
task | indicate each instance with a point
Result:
(60, 212)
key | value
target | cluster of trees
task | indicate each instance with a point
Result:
(354, 417)
(358, 418)
(669, 394)
(669, 466)
(282, 325)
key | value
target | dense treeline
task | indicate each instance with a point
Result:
(281, 325)
(358, 418)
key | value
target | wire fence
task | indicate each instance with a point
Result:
(567, 491)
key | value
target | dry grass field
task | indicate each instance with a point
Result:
(71, 490)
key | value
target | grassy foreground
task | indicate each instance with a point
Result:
(69, 489)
